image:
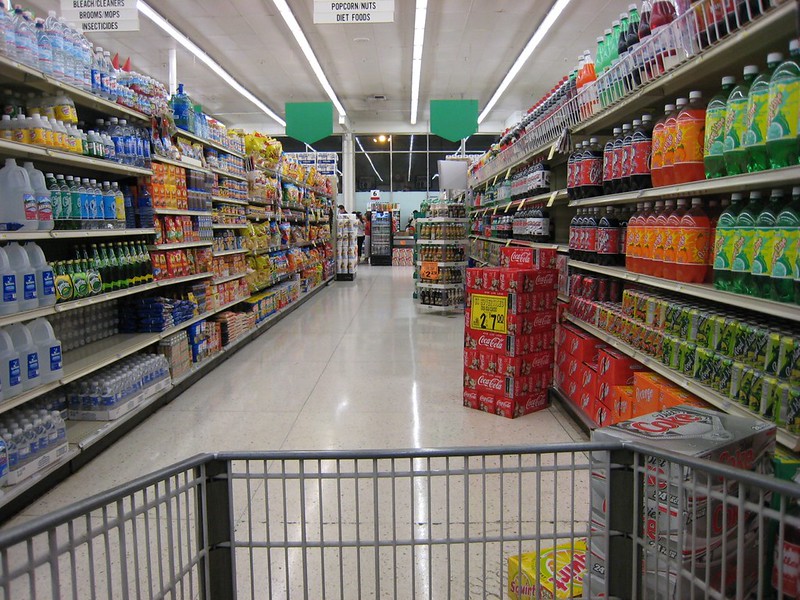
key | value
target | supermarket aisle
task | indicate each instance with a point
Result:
(356, 367)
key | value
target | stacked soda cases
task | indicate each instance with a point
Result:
(683, 525)
(346, 247)
(508, 373)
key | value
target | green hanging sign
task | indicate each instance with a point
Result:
(454, 119)
(309, 122)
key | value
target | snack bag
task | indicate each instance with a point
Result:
(556, 572)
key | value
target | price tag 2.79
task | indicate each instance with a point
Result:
(489, 313)
(429, 271)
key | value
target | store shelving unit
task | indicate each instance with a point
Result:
(703, 71)
(440, 263)
(87, 438)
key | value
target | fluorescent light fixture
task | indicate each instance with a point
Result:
(535, 40)
(184, 41)
(410, 156)
(420, 15)
(358, 141)
(300, 37)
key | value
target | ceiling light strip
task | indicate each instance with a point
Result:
(420, 16)
(300, 37)
(358, 141)
(535, 40)
(184, 41)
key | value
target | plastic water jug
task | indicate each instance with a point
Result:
(28, 355)
(8, 286)
(18, 208)
(10, 371)
(49, 348)
(27, 288)
(44, 206)
(45, 278)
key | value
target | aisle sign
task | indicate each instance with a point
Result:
(101, 15)
(376, 11)
(489, 313)
(429, 270)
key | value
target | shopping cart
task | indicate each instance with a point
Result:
(434, 524)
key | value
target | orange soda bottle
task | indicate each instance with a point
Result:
(671, 235)
(693, 245)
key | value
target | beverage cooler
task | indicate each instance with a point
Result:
(381, 239)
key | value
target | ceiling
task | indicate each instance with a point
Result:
(469, 47)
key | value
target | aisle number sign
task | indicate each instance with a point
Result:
(429, 270)
(374, 11)
(489, 313)
(102, 15)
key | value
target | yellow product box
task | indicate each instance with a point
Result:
(556, 572)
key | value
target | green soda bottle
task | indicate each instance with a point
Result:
(787, 236)
(723, 244)
(736, 124)
(715, 130)
(744, 246)
(764, 245)
(74, 202)
(55, 195)
(755, 138)
(66, 203)
(784, 100)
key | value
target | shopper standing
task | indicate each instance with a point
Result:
(367, 232)
(360, 233)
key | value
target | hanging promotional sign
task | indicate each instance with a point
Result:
(376, 11)
(101, 15)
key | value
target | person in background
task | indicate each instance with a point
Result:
(367, 232)
(361, 232)
(342, 211)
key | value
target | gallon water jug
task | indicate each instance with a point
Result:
(28, 355)
(18, 208)
(10, 371)
(45, 278)
(44, 206)
(27, 290)
(9, 283)
(49, 348)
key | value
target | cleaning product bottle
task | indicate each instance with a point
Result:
(49, 349)
(18, 207)
(27, 295)
(44, 206)
(28, 354)
(713, 157)
(8, 302)
(45, 277)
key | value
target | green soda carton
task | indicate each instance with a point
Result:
(702, 327)
(745, 385)
(686, 358)
(672, 318)
(772, 353)
(789, 359)
(737, 374)
(670, 351)
(754, 398)
(722, 374)
(727, 335)
(769, 398)
(743, 339)
(783, 404)
(704, 365)
(757, 352)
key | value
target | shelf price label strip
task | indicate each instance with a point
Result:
(489, 313)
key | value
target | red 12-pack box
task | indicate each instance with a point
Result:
(516, 257)
(508, 345)
(494, 279)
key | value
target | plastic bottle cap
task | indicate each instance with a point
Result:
(796, 191)
(755, 195)
(623, 16)
(774, 57)
(794, 45)
(647, 118)
(778, 193)
(607, 32)
(599, 39)
(695, 95)
(631, 7)
(751, 70)
(593, 140)
(614, 23)
(729, 80)
(637, 122)
(681, 102)
(669, 107)
(626, 127)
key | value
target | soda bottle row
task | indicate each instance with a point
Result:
(532, 224)
(756, 246)
(442, 231)
(530, 181)
(108, 268)
(599, 239)
(752, 126)
(85, 325)
(116, 384)
(30, 356)
(442, 253)
(452, 297)
(672, 239)
(29, 434)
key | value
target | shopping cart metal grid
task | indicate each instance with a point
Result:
(403, 524)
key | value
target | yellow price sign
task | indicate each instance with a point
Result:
(552, 152)
(508, 173)
(489, 313)
(552, 199)
(429, 270)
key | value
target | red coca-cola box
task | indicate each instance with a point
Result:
(518, 387)
(573, 366)
(517, 257)
(507, 345)
(522, 366)
(487, 403)
(471, 399)
(571, 388)
(522, 303)
(580, 344)
(602, 415)
(528, 280)
(483, 280)
(511, 409)
(560, 377)
(525, 324)
(614, 368)
(472, 358)
(471, 380)
(586, 377)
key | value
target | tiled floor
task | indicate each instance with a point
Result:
(355, 368)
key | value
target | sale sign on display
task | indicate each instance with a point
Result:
(488, 313)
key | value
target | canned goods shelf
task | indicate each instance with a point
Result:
(209, 143)
(505, 205)
(705, 291)
(714, 398)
